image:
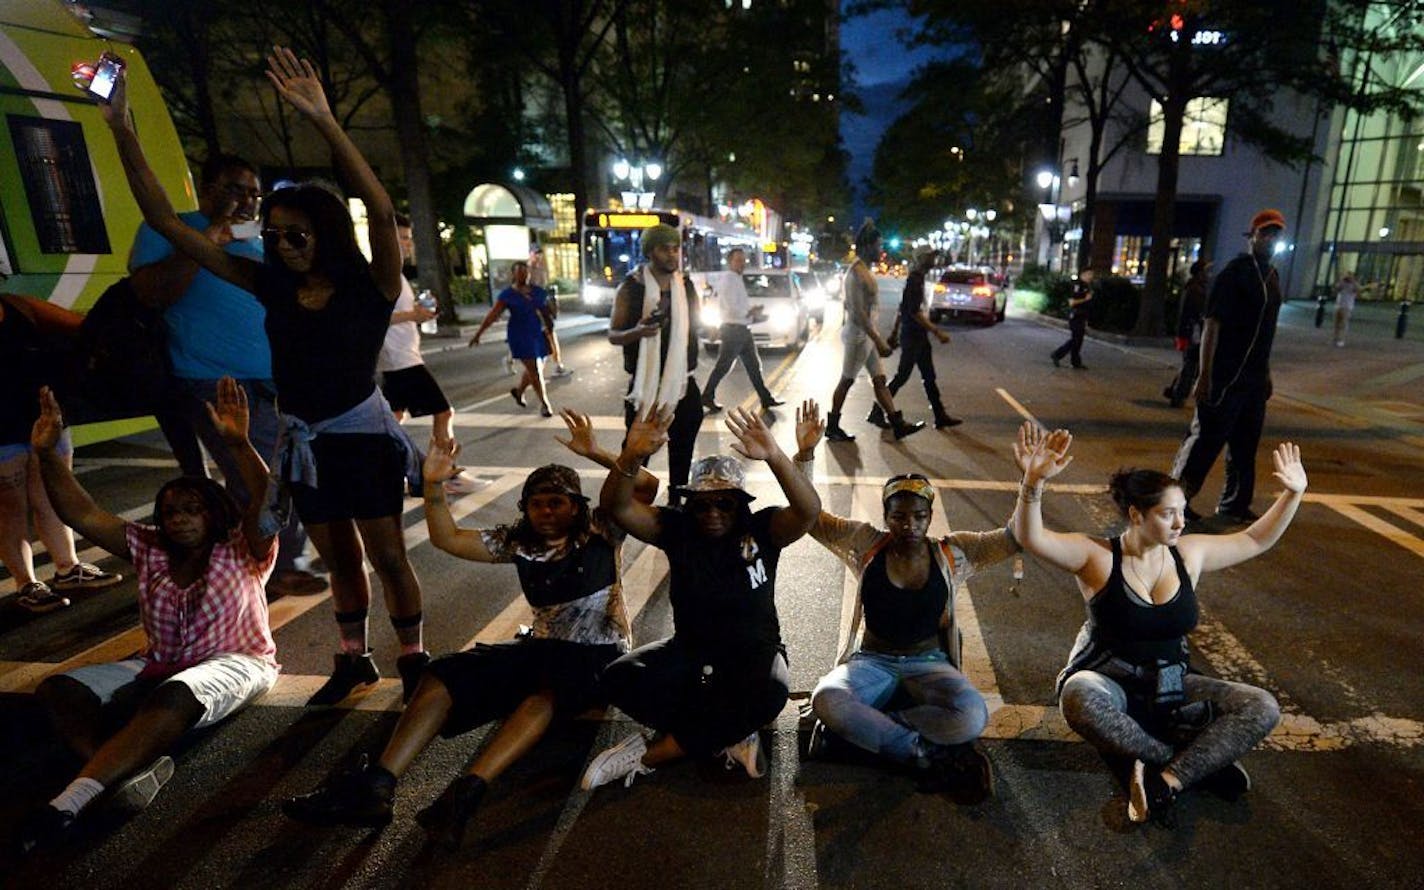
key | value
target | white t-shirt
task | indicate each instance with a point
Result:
(402, 347)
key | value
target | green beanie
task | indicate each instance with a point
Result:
(658, 235)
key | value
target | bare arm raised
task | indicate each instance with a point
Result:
(1042, 458)
(1210, 552)
(645, 437)
(71, 502)
(755, 442)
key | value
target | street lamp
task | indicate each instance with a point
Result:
(634, 174)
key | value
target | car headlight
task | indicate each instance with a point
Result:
(711, 316)
(593, 295)
(782, 318)
(813, 297)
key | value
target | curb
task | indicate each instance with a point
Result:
(1104, 336)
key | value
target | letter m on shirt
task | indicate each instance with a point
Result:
(756, 574)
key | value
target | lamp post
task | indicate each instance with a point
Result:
(1055, 216)
(634, 175)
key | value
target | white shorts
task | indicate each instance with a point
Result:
(860, 353)
(223, 684)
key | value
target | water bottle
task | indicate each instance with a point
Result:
(427, 301)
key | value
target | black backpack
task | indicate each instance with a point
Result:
(122, 365)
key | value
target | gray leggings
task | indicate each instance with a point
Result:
(1096, 708)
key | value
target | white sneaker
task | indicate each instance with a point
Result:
(460, 484)
(749, 754)
(139, 790)
(561, 371)
(509, 365)
(623, 761)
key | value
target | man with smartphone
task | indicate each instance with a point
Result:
(215, 330)
(653, 320)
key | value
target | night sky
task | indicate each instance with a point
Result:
(883, 67)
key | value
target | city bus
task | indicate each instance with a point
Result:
(610, 247)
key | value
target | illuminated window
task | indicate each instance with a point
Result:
(1203, 127)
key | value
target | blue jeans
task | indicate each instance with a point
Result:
(945, 709)
(191, 394)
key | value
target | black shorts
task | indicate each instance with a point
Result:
(413, 389)
(489, 681)
(359, 476)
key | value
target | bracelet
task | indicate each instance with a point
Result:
(618, 468)
(1030, 494)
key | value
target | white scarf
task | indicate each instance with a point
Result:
(655, 382)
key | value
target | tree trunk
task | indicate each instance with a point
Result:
(404, 90)
(1152, 308)
(573, 120)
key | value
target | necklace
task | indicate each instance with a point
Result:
(1148, 589)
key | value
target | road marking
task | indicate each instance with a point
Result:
(1386, 530)
(1015, 404)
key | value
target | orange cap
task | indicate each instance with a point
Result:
(1268, 218)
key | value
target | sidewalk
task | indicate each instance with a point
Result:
(569, 324)
(1373, 378)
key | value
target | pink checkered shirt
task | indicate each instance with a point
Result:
(222, 613)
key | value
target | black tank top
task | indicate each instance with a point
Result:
(1135, 629)
(902, 617)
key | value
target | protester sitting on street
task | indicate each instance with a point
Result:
(1128, 688)
(568, 558)
(910, 648)
(342, 458)
(405, 380)
(722, 676)
(25, 366)
(201, 569)
(525, 332)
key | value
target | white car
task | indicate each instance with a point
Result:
(964, 291)
(784, 320)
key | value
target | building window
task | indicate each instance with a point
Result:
(59, 183)
(1203, 127)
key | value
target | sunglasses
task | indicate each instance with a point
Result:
(721, 505)
(296, 237)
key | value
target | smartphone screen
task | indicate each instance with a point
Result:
(106, 74)
(242, 231)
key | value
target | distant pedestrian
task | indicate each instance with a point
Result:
(912, 336)
(528, 309)
(862, 344)
(405, 380)
(1346, 290)
(539, 277)
(653, 316)
(735, 334)
(1189, 331)
(1235, 377)
(1077, 321)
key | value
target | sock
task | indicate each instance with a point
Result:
(78, 795)
(352, 626)
(408, 632)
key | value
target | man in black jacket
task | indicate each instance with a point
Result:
(1234, 381)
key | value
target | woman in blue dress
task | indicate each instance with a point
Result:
(527, 332)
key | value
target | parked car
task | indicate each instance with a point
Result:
(814, 294)
(783, 320)
(963, 291)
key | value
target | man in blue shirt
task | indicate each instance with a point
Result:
(215, 330)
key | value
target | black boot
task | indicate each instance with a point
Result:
(834, 433)
(445, 819)
(943, 421)
(876, 417)
(902, 427)
(410, 667)
(359, 795)
(348, 672)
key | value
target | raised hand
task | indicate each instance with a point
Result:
(297, 82)
(440, 460)
(754, 439)
(116, 110)
(1289, 470)
(229, 416)
(1048, 458)
(809, 427)
(44, 435)
(580, 440)
(1031, 435)
(649, 431)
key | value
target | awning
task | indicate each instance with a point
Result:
(507, 204)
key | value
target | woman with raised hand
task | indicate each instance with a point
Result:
(1128, 688)
(568, 558)
(722, 676)
(202, 567)
(342, 458)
